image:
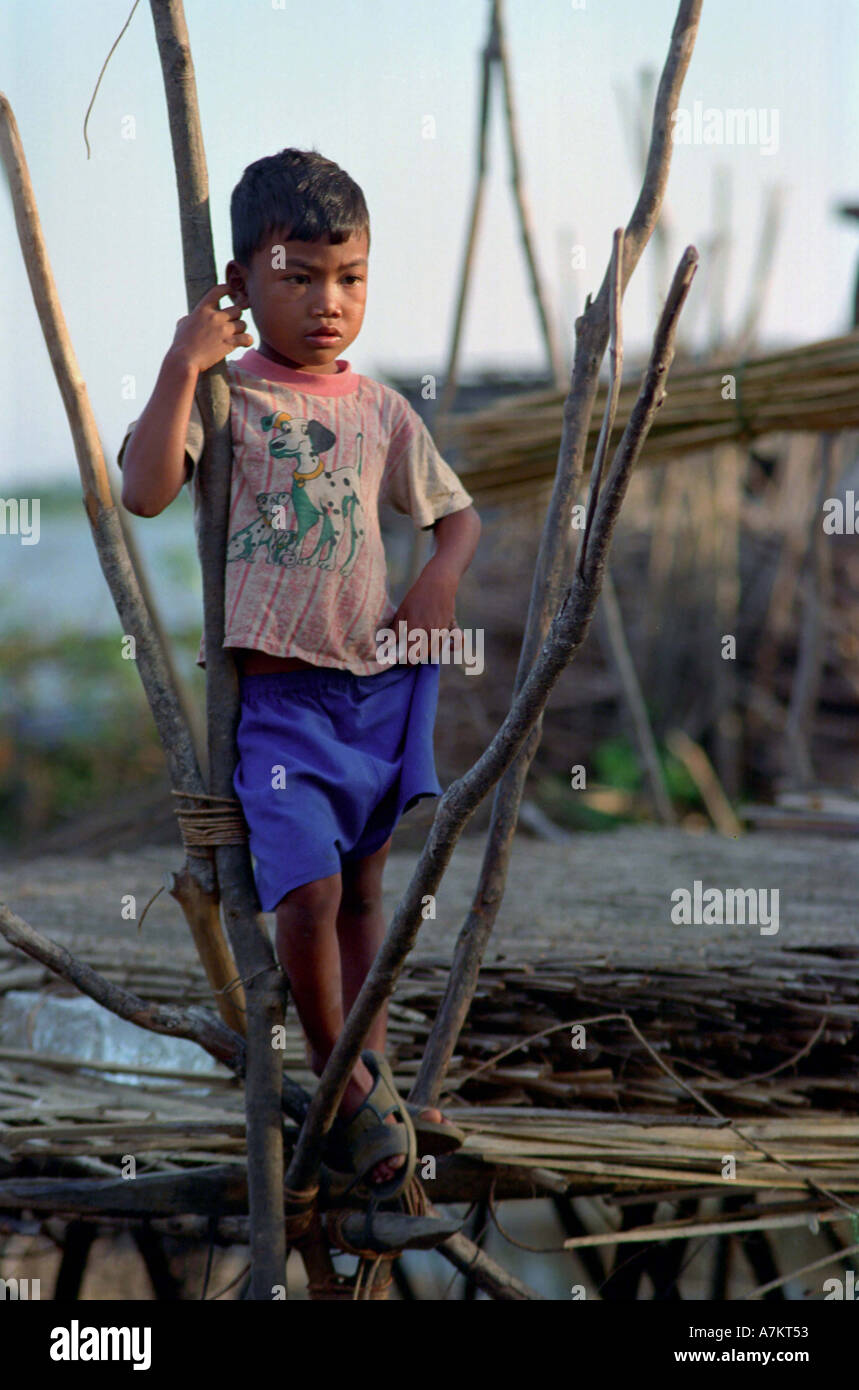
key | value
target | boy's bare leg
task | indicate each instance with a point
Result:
(308, 950)
(309, 953)
(361, 929)
(328, 933)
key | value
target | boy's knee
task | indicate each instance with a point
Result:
(311, 901)
(362, 882)
(360, 898)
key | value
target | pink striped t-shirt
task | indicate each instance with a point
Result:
(313, 455)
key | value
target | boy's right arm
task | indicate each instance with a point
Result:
(153, 468)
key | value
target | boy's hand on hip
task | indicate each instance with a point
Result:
(208, 334)
(428, 605)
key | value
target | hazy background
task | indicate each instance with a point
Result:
(355, 78)
(358, 79)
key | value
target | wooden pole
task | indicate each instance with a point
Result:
(135, 618)
(245, 924)
(815, 610)
(450, 381)
(621, 656)
(190, 711)
(538, 292)
(495, 54)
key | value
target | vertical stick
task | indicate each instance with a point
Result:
(815, 608)
(553, 354)
(245, 924)
(153, 666)
(625, 667)
(727, 464)
(450, 381)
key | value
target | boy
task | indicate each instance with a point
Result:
(334, 744)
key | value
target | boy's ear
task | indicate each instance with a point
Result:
(235, 276)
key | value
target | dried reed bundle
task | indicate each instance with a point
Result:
(511, 448)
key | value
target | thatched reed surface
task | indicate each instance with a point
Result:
(766, 1031)
(511, 447)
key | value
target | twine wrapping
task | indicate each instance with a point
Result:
(342, 1286)
(300, 1211)
(205, 826)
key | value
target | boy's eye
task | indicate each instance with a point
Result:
(298, 276)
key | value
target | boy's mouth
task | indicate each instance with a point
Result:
(323, 335)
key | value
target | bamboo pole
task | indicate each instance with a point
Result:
(762, 272)
(119, 572)
(245, 924)
(526, 235)
(621, 656)
(722, 208)
(451, 375)
(681, 1230)
(815, 610)
(703, 774)
(495, 54)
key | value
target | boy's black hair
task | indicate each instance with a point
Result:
(299, 192)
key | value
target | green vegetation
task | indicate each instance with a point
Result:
(616, 791)
(96, 739)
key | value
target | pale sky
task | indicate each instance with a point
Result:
(356, 79)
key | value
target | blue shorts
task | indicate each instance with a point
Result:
(328, 762)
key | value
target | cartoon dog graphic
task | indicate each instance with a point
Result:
(327, 499)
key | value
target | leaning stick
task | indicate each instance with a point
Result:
(245, 924)
(458, 803)
(592, 334)
(612, 618)
(134, 615)
(193, 1022)
(615, 373)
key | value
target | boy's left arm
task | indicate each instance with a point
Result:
(430, 601)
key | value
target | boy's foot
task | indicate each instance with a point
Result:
(358, 1089)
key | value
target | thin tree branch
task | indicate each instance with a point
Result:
(194, 1023)
(119, 572)
(198, 1025)
(592, 332)
(458, 803)
(614, 380)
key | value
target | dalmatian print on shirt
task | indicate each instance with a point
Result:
(319, 519)
(313, 456)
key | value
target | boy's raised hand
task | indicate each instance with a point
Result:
(208, 333)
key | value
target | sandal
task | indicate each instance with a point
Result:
(433, 1136)
(356, 1145)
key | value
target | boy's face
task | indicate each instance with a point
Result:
(296, 290)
